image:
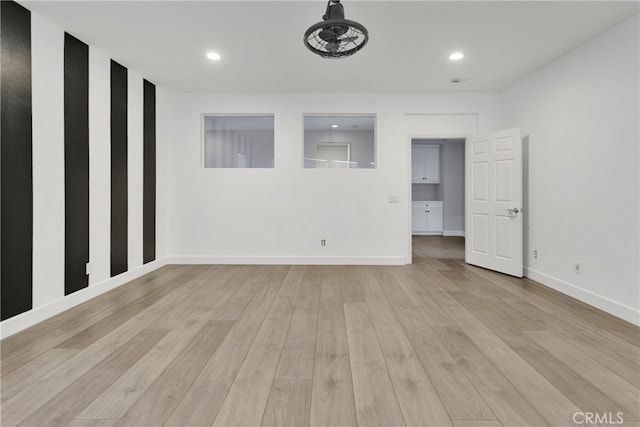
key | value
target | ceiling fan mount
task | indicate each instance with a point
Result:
(334, 36)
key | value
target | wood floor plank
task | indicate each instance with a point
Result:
(418, 399)
(37, 394)
(64, 407)
(200, 405)
(21, 348)
(247, 399)
(379, 307)
(156, 405)
(374, 396)
(476, 423)
(247, 283)
(197, 296)
(78, 317)
(194, 310)
(101, 328)
(296, 360)
(350, 284)
(249, 394)
(601, 351)
(508, 326)
(285, 300)
(561, 304)
(506, 402)
(157, 289)
(289, 403)
(330, 296)
(332, 395)
(503, 398)
(614, 386)
(225, 364)
(457, 393)
(432, 312)
(92, 423)
(592, 315)
(116, 400)
(554, 406)
(15, 381)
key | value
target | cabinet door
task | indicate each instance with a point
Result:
(425, 164)
(417, 163)
(432, 164)
(434, 219)
(419, 219)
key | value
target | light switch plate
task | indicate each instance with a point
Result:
(394, 199)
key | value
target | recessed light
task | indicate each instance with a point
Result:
(334, 126)
(456, 56)
(214, 56)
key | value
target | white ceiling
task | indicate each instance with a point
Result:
(262, 49)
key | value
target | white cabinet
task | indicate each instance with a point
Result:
(425, 164)
(427, 217)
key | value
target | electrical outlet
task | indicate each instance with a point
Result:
(323, 242)
(535, 254)
(577, 267)
(394, 199)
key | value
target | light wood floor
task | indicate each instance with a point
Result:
(435, 343)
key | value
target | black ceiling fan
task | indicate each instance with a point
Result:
(334, 36)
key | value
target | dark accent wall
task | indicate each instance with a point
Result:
(76, 164)
(149, 174)
(119, 192)
(16, 164)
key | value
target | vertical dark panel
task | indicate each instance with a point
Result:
(149, 186)
(16, 164)
(119, 193)
(76, 164)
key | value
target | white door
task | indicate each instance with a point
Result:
(493, 184)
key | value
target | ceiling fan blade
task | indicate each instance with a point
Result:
(328, 35)
(348, 39)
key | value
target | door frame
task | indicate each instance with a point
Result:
(411, 137)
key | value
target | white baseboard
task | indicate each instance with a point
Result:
(606, 304)
(458, 233)
(38, 314)
(288, 260)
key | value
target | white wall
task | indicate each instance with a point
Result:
(48, 178)
(47, 43)
(453, 187)
(280, 215)
(579, 115)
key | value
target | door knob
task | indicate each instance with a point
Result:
(513, 211)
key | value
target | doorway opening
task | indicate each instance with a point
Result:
(437, 197)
